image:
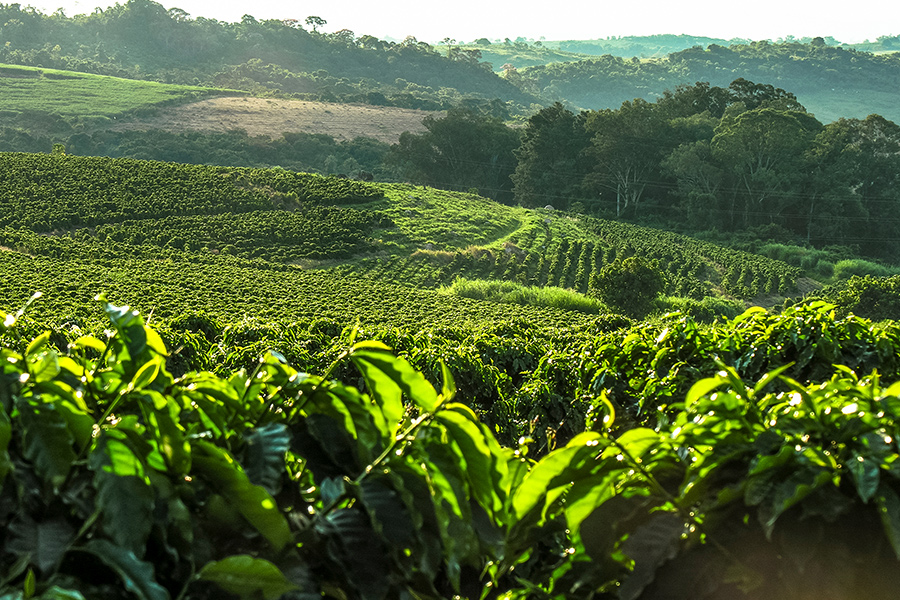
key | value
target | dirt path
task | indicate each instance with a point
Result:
(272, 117)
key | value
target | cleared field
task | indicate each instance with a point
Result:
(271, 117)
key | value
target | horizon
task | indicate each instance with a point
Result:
(397, 19)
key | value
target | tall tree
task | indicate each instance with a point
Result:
(865, 155)
(765, 150)
(551, 162)
(627, 146)
(463, 150)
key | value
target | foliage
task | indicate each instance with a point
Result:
(514, 293)
(460, 151)
(876, 298)
(823, 77)
(140, 39)
(275, 482)
(46, 192)
(856, 267)
(630, 285)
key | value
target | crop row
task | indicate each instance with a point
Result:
(46, 192)
(233, 290)
(314, 232)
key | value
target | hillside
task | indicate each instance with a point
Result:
(831, 82)
(164, 432)
(35, 98)
(397, 233)
(273, 117)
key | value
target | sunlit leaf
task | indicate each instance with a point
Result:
(253, 502)
(389, 373)
(124, 495)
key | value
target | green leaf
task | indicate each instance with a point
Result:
(44, 367)
(702, 388)
(636, 442)
(386, 373)
(481, 471)
(601, 529)
(28, 586)
(171, 442)
(889, 511)
(247, 577)
(5, 437)
(44, 541)
(769, 377)
(650, 546)
(124, 495)
(790, 492)
(264, 457)
(135, 574)
(89, 342)
(448, 390)
(557, 469)
(389, 514)
(358, 551)
(866, 474)
(57, 593)
(47, 441)
(147, 373)
(36, 345)
(253, 502)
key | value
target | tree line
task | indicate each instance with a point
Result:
(743, 157)
(140, 39)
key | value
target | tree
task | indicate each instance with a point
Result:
(763, 95)
(627, 146)
(765, 150)
(551, 163)
(315, 23)
(699, 180)
(864, 157)
(463, 150)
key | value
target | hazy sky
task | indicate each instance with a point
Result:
(467, 20)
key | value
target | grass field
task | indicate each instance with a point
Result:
(86, 96)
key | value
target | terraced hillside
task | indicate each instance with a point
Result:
(73, 208)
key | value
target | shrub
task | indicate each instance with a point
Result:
(847, 268)
(630, 285)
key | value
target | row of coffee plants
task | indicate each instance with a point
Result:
(119, 481)
(233, 289)
(45, 192)
(314, 232)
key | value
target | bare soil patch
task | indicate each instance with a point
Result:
(272, 117)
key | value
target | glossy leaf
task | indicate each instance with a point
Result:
(47, 441)
(253, 502)
(247, 577)
(266, 448)
(386, 375)
(124, 495)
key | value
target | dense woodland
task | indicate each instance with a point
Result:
(141, 39)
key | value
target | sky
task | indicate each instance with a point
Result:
(467, 20)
